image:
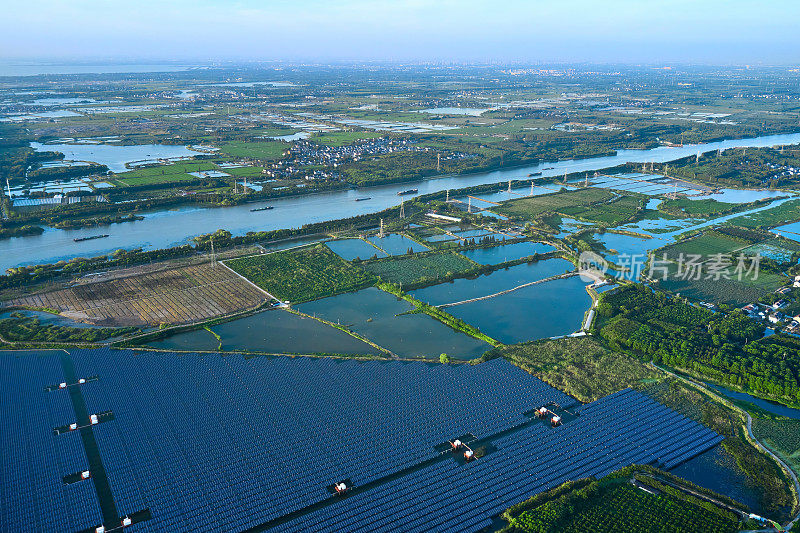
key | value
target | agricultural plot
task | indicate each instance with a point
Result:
(594, 205)
(707, 244)
(413, 269)
(343, 138)
(302, 275)
(613, 504)
(255, 150)
(537, 205)
(684, 207)
(783, 436)
(768, 218)
(726, 286)
(162, 174)
(175, 296)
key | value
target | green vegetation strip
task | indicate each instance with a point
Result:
(347, 330)
(446, 318)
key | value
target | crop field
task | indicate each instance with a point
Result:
(783, 436)
(255, 150)
(684, 207)
(592, 204)
(729, 287)
(611, 213)
(707, 244)
(174, 296)
(420, 268)
(162, 174)
(728, 291)
(785, 213)
(614, 505)
(302, 275)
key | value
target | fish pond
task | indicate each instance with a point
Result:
(273, 331)
(506, 252)
(378, 316)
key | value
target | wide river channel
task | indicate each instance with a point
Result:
(165, 228)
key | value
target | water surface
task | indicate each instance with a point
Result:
(372, 313)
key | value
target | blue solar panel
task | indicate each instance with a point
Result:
(224, 442)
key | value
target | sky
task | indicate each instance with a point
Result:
(528, 31)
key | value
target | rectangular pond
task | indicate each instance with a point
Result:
(373, 314)
(272, 331)
(535, 312)
(506, 252)
(395, 244)
(499, 280)
(349, 249)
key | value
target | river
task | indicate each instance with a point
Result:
(165, 228)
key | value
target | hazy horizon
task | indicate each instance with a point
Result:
(615, 32)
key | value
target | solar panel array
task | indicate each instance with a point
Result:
(616, 431)
(33, 495)
(250, 440)
(225, 442)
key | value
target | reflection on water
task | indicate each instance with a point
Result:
(717, 470)
(546, 310)
(186, 222)
(374, 314)
(273, 331)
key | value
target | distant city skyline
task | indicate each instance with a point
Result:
(616, 31)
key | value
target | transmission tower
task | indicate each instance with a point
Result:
(438, 161)
(380, 233)
(509, 186)
(402, 209)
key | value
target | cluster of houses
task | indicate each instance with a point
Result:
(774, 314)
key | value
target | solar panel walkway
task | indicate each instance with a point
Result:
(226, 442)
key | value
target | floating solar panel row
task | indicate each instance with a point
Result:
(259, 438)
(33, 496)
(627, 428)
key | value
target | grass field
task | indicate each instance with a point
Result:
(414, 269)
(170, 296)
(255, 150)
(162, 174)
(579, 366)
(342, 138)
(592, 205)
(302, 275)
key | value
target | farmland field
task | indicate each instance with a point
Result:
(162, 174)
(734, 291)
(255, 150)
(302, 275)
(414, 269)
(684, 207)
(783, 436)
(612, 504)
(594, 205)
(173, 296)
(707, 244)
(775, 216)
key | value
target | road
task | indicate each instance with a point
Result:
(751, 437)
